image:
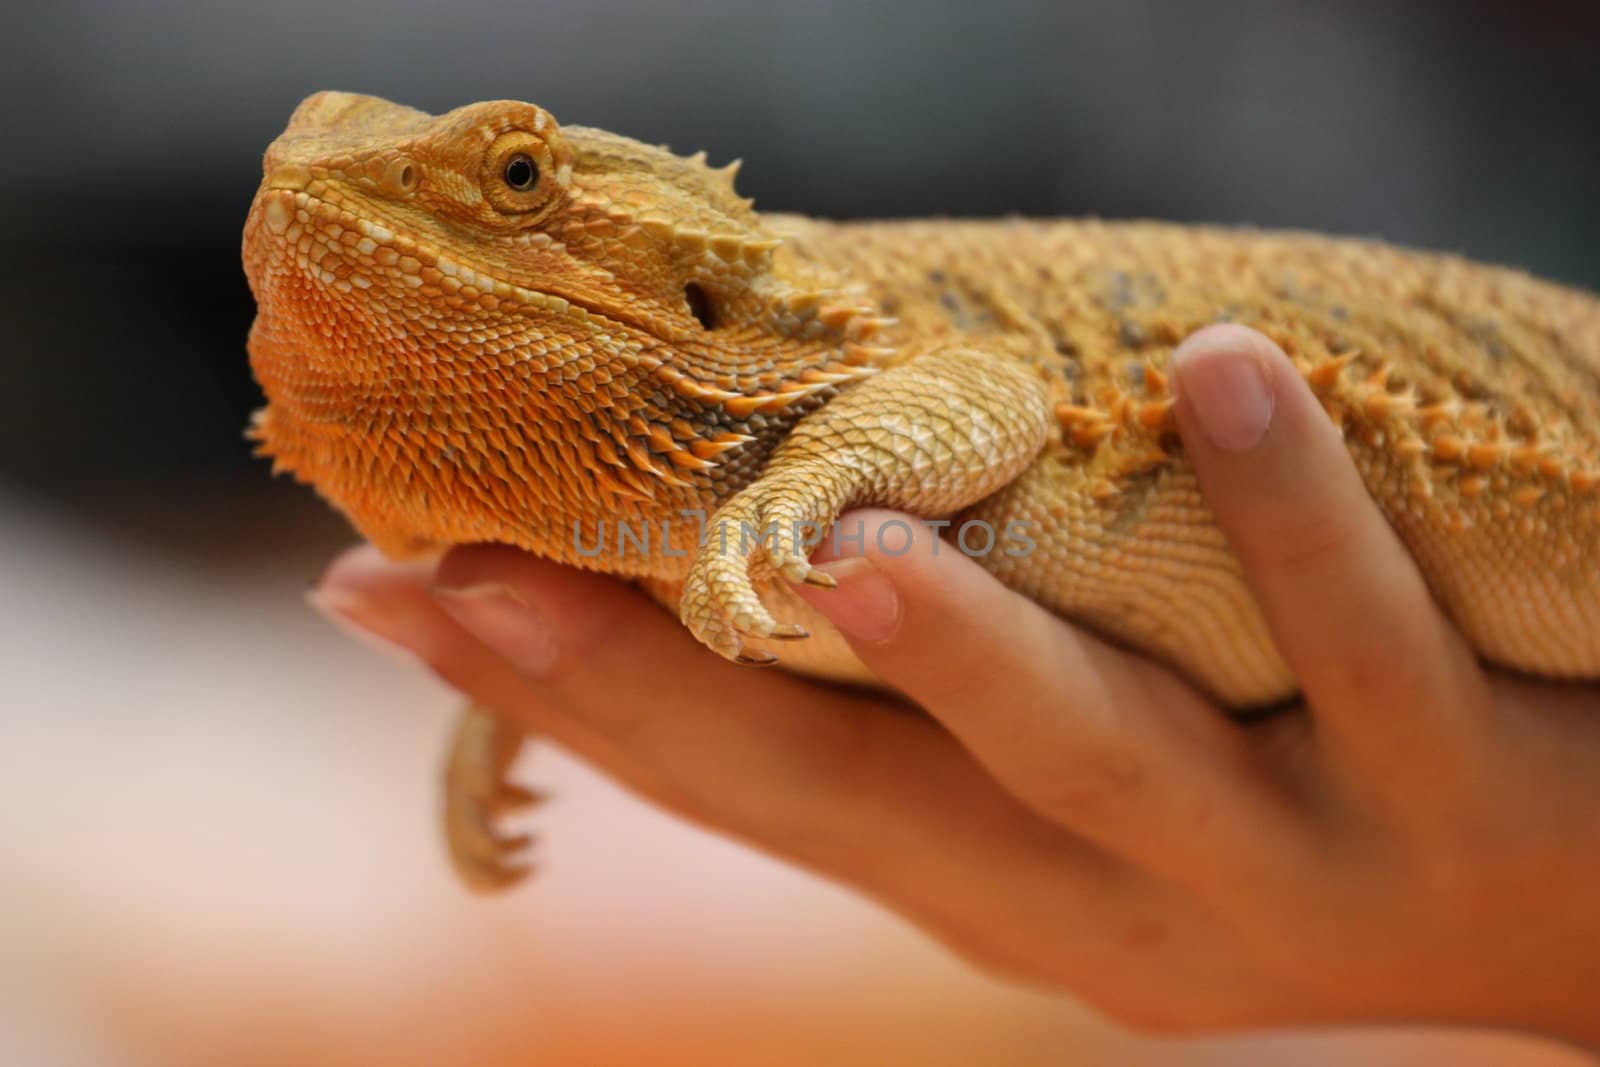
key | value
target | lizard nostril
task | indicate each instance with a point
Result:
(699, 305)
(399, 178)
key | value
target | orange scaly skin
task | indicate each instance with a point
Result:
(483, 327)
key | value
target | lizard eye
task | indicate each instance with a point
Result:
(525, 174)
(521, 173)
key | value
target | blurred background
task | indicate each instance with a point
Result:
(216, 835)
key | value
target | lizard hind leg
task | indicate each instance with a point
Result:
(931, 436)
(477, 795)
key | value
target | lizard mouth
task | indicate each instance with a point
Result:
(322, 236)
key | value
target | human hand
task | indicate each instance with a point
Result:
(1419, 842)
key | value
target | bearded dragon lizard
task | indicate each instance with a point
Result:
(484, 326)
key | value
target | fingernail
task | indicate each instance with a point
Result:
(864, 606)
(495, 615)
(352, 615)
(1226, 387)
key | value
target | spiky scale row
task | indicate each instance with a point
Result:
(1460, 435)
(1431, 435)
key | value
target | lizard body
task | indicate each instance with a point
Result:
(484, 327)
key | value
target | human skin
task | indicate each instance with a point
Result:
(1417, 841)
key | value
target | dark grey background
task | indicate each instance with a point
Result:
(132, 137)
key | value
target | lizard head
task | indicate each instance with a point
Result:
(467, 318)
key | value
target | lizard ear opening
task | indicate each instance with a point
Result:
(699, 302)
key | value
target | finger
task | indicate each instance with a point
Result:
(1109, 744)
(829, 778)
(1389, 680)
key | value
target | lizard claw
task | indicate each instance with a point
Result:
(514, 797)
(820, 579)
(476, 796)
(789, 631)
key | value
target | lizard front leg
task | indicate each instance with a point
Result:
(931, 436)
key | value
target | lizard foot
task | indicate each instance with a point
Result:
(767, 530)
(476, 796)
